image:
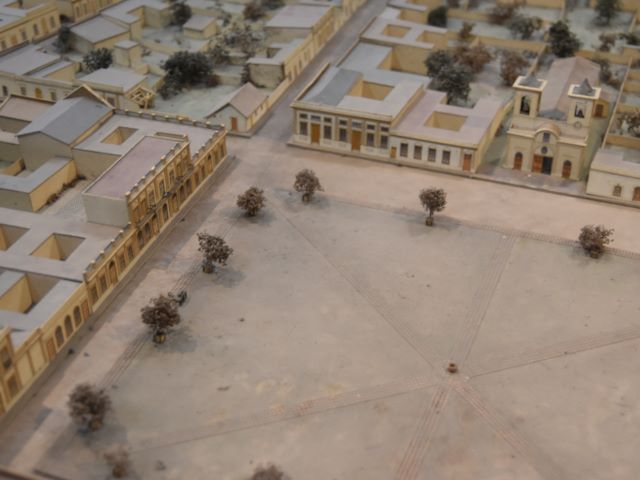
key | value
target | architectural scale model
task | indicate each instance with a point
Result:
(313, 239)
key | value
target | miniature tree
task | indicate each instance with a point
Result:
(63, 42)
(88, 406)
(438, 17)
(161, 314)
(118, 460)
(97, 59)
(268, 473)
(186, 69)
(512, 64)
(475, 57)
(438, 60)
(251, 201)
(594, 238)
(500, 13)
(242, 36)
(564, 42)
(214, 250)
(606, 10)
(455, 81)
(307, 182)
(219, 54)
(607, 41)
(433, 200)
(523, 27)
(632, 121)
(631, 38)
(253, 11)
(464, 35)
(180, 13)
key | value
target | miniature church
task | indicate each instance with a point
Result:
(552, 119)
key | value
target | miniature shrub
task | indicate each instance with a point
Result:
(307, 182)
(594, 238)
(97, 59)
(88, 405)
(251, 201)
(438, 17)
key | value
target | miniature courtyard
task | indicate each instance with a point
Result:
(307, 346)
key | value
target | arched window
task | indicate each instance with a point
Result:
(525, 105)
(566, 169)
(140, 238)
(38, 93)
(77, 316)
(5, 91)
(636, 194)
(165, 212)
(68, 326)
(59, 337)
(617, 191)
(517, 161)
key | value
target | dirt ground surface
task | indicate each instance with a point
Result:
(322, 347)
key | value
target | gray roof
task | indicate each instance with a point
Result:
(563, 73)
(530, 81)
(115, 77)
(26, 59)
(245, 99)
(297, 16)
(97, 29)
(68, 119)
(333, 86)
(584, 88)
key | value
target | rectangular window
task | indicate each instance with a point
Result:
(404, 149)
(327, 119)
(152, 197)
(384, 141)
(371, 140)
(162, 190)
(417, 152)
(93, 291)
(53, 95)
(356, 125)
(371, 126)
(546, 136)
(327, 132)
(130, 253)
(342, 122)
(446, 157)
(303, 116)
(384, 129)
(52, 22)
(23, 34)
(431, 155)
(342, 134)
(35, 29)
(315, 118)
(23, 91)
(304, 129)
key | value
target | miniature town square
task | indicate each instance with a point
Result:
(319, 239)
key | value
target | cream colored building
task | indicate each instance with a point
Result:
(615, 174)
(368, 107)
(55, 272)
(552, 119)
(31, 24)
(239, 110)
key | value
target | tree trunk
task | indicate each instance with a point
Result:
(207, 267)
(429, 221)
(306, 197)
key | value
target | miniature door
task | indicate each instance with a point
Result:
(537, 163)
(466, 162)
(315, 133)
(356, 138)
